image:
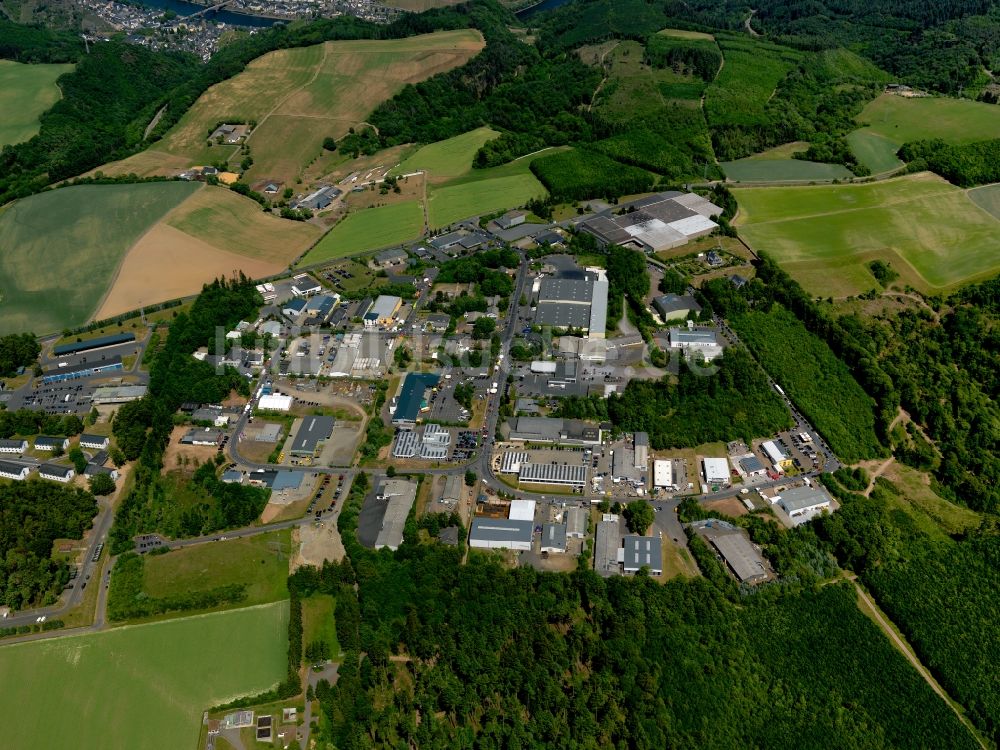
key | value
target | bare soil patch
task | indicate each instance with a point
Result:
(194, 455)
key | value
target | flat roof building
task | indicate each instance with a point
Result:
(676, 307)
(572, 475)
(522, 510)
(656, 223)
(313, 431)
(412, 397)
(641, 442)
(553, 537)
(663, 473)
(83, 370)
(554, 430)
(741, 557)
(716, 470)
(492, 533)
(642, 552)
(576, 522)
(117, 394)
(382, 311)
(804, 503)
(275, 402)
(399, 495)
(90, 344)
(572, 302)
(606, 545)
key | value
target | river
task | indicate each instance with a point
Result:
(539, 7)
(184, 8)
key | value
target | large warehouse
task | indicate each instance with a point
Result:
(492, 533)
(570, 302)
(656, 223)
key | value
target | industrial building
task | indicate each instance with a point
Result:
(318, 199)
(83, 370)
(675, 307)
(576, 522)
(624, 468)
(117, 394)
(521, 510)
(569, 475)
(207, 436)
(305, 285)
(778, 458)
(90, 344)
(412, 399)
(640, 441)
(656, 223)
(640, 552)
(399, 495)
(383, 311)
(716, 470)
(432, 443)
(740, 555)
(752, 466)
(663, 473)
(701, 341)
(275, 402)
(553, 537)
(554, 430)
(312, 432)
(491, 533)
(606, 545)
(804, 503)
(453, 489)
(572, 302)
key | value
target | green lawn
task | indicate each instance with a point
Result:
(754, 169)
(484, 191)
(26, 91)
(60, 250)
(142, 687)
(954, 120)
(448, 158)
(928, 230)
(987, 198)
(876, 152)
(318, 623)
(369, 229)
(260, 561)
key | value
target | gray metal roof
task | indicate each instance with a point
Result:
(641, 551)
(751, 464)
(554, 535)
(556, 289)
(401, 495)
(553, 473)
(501, 530)
(311, 432)
(740, 555)
(681, 336)
(800, 498)
(599, 307)
(55, 470)
(670, 303)
(563, 315)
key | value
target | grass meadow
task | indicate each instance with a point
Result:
(449, 158)
(754, 169)
(141, 687)
(931, 233)
(369, 229)
(988, 199)
(60, 250)
(318, 623)
(26, 91)
(232, 222)
(459, 200)
(752, 71)
(875, 151)
(299, 96)
(901, 119)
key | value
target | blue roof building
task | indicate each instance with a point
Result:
(411, 397)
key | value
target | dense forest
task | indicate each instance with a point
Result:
(17, 350)
(965, 165)
(33, 515)
(142, 428)
(443, 655)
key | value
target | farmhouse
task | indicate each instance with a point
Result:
(312, 432)
(804, 503)
(399, 496)
(491, 533)
(56, 473)
(571, 302)
(46, 443)
(382, 311)
(412, 397)
(640, 552)
(10, 470)
(657, 223)
(83, 370)
(97, 442)
(675, 307)
(13, 446)
(229, 134)
(716, 470)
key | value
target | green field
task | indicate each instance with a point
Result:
(60, 250)
(299, 96)
(457, 201)
(369, 229)
(318, 623)
(139, 687)
(26, 91)
(954, 120)
(876, 152)
(754, 169)
(744, 86)
(260, 561)
(449, 158)
(987, 198)
(931, 233)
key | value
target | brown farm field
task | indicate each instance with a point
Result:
(215, 232)
(299, 96)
